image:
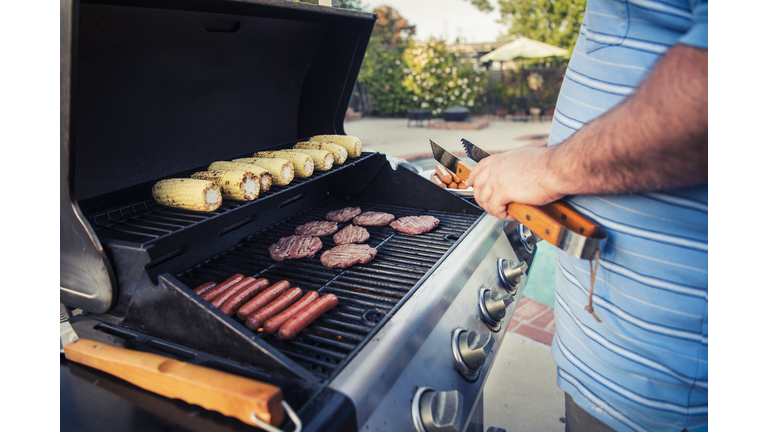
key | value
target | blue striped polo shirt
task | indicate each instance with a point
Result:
(644, 367)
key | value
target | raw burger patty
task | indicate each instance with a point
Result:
(373, 219)
(351, 234)
(317, 228)
(346, 255)
(415, 224)
(294, 247)
(344, 215)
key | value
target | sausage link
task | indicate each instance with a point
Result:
(443, 173)
(220, 288)
(234, 289)
(453, 185)
(272, 325)
(262, 299)
(238, 299)
(256, 319)
(454, 177)
(306, 316)
(462, 185)
(436, 180)
(202, 289)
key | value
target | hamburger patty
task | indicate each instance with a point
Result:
(317, 228)
(343, 215)
(351, 234)
(347, 255)
(295, 247)
(415, 224)
(373, 219)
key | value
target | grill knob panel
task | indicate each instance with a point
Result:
(470, 349)
(437, 411)
(509, 275)
(493, 307)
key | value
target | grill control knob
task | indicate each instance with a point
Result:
(470, 349)
(493, 306)
(437, 411)
(509, 275)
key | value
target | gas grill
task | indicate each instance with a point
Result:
(159, 89)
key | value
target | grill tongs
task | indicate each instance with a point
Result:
(557, 222)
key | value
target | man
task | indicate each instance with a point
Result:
(628, 149)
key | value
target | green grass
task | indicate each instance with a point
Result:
(541, 279)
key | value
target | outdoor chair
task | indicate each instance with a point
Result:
(419, 116)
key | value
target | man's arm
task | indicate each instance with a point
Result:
(656, 138)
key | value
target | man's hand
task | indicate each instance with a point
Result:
(516, 176)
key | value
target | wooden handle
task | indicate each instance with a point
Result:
(537, 221)
(228, 394)
(570, 218)
(463, 170)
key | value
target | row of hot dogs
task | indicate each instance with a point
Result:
(277, 309)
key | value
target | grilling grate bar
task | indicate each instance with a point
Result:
(367, 293)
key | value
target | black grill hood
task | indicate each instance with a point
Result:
(152, 89)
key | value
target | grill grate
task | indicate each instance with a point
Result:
(367, 293)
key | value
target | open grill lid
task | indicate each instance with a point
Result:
(151, 89)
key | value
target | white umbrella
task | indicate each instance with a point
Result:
(523, 47)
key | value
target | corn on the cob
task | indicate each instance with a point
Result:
(238, 185)
(190, 194)
(339, 153)
(281, 169)
(352, 144)
(264, 176)
(322, 159)
(303, 166)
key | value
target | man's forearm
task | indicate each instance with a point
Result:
(655, 139)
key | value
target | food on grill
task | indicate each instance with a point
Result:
(220, 288)
(241, 297)
(229, 292)
(347, 255)
(303, 166)
(281, 169)
(263, 299)
(322, 159)
(339, 153)
(202, 289)
(343, 215)
(235, 185)
(415, 224)
(272, 325)
(371, 218)
(189, 194)
(295, 247)
(351, 234)
(351, 144)
(264, 176)
(256, 319)
(306, 316)
(317, 228)
(443, 173)
(436, 180)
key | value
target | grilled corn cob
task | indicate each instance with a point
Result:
(190, 194)
(303, 166)
(265, 178)
(339, 153)
(322, 159)
(239, 185)
(352, 144)
(281, 169)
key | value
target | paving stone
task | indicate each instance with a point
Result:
(545, 319)
(535, 333)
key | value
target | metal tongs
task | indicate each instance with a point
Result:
(557, 223)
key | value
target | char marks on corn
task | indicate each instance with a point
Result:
(351, 234)
(295, 247)
(415, 224)
(347, 255)
(371, 218)
(343, 215)
(317, 228)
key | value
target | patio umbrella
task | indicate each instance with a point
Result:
(522, 48)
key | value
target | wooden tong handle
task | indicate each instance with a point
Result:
(228, 394)
(549, 221)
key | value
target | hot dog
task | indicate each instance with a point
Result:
(220, 288)
(307, 315)
(221, 298)
(462, 185)
(256, 319)
(232, 304)
(272, 325)
(454, 177)
(436, 180)
(443, 173)
(263, 299)
(202, 289)
(453, 185)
